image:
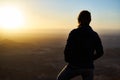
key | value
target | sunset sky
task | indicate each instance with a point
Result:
(35, 16)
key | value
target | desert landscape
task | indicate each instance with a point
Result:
(42, 59)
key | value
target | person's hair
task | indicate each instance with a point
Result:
(84, 17)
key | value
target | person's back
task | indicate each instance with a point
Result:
(79, 50)
(80, 47)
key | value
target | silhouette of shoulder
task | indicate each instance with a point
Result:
(83, 31)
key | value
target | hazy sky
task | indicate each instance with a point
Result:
(62, 14)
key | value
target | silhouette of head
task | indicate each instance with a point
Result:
(84, 17)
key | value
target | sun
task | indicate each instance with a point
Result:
(11, 18)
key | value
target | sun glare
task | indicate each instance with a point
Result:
(11, 18)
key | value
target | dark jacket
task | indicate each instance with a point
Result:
(83, 47)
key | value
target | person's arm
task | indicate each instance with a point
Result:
(98, 47)
(68, 46)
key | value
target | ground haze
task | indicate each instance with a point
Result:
(42, 58)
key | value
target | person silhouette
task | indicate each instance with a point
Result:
(83, 47)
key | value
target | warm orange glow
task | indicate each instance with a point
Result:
(11, 18)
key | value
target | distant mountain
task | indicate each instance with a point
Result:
(10, 45)
(7, 42)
